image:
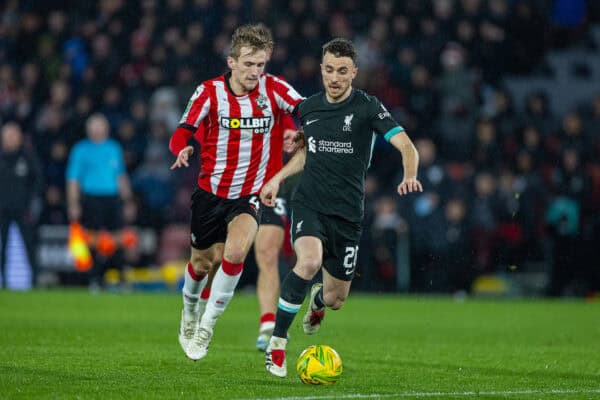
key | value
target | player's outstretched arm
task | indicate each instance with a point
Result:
(268, 194)
(410, 161)
(179, 147)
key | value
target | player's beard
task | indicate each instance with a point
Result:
(341, 90)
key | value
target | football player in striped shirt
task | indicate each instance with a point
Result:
(237, 111)
(269, 239)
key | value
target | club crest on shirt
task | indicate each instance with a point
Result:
(348, 123)
(261, 101)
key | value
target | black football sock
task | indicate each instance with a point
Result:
(293, 292)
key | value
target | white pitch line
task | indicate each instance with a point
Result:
(434, 394)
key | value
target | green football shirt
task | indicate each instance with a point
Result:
(339, 144)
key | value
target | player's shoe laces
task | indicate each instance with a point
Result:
(314, 315)
(187, 327)
(275, 361)
(198, 346)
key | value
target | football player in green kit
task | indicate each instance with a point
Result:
(327, 210)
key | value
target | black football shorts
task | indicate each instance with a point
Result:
(340, 239)
(211, 215)
(274, 215)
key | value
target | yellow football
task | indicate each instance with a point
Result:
(319, 364)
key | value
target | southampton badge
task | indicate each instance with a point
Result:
(261, 102)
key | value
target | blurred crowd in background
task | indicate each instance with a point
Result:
(505, 186)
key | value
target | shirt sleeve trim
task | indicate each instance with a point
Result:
(188, 127)
(393, 132)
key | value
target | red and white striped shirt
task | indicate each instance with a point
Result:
(236, 147)
(283, 123)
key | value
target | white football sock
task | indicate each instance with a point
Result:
(192, 285)
(204, 294)
(221, 292)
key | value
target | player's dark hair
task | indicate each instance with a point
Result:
(340, 47)
(257, 37)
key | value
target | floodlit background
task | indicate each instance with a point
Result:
(501, 98)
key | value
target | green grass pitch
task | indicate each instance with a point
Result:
(70, 344)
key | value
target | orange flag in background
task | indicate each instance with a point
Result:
(79, 248)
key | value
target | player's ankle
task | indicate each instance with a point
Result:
(266, 327)
(277, 342)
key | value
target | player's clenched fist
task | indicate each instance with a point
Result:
(183, 158)
(268, 194)
(409, 185)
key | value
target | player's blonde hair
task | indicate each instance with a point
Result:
(257, 37)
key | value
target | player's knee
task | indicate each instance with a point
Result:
(309, 263)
